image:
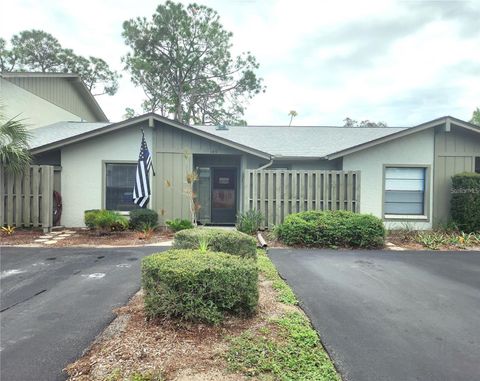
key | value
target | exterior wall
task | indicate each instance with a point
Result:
(415, 149)
(83, 174)
(58, 91)
(308, 165)
(455, 152)
(35, 110)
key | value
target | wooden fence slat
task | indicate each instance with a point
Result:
(26, 198)
(18, 201)
(278, 197)
(35, 196)
(246, 191)
(277, 193)
(10, 180)
(47, 199)
(270, 200)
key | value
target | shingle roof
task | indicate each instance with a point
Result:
(313, 141)
(59, 131)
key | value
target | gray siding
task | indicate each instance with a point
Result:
(59, 91)
(455, 152)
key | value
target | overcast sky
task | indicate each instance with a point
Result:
(402, 62)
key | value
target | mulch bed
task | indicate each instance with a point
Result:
(20, 237)
(177, 351)
(83, 237)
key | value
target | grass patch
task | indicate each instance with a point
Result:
(287, 349)
(267, 268)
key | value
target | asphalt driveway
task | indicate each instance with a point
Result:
(391, 315)
(54, 302)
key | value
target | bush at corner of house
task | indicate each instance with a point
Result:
(178, 224)
(332, 229)
(143, 217)
(225, 241)
(196, 286)
(465, 203)
(105, 220)
(89, 217)
(250, 221)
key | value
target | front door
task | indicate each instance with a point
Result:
(224, 195)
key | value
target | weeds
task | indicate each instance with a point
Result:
(8, 230)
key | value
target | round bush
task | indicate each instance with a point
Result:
(196, 286)
(225, 241)
(332, 229)
(141, 217)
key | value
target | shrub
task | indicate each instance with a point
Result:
(196, 286)
(89, 217)
(178, 224)
(225, 241)
(465, 203)
(106, 220)
(143, 217)
(332, 229)
(250, 221)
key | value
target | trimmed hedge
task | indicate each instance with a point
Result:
(196, 286)
(332, 229)
(465, 203)
(225, 241)
(141, 217)
(105, 220)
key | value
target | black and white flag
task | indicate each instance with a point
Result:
(141, 190)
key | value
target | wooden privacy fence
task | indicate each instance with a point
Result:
(27, 200)
(278, 193)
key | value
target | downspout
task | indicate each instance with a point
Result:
(266, 165)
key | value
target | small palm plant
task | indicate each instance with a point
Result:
(14, 138)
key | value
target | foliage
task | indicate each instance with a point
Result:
(287, 349)
(178, 224)
(182, 60)
(8, 230)
(196, 286)
(476, 117)
(14, 149)
(203, 244)
(250, 221)
(332, 229)
(432, 240)
(142, 216)
(364, 123)
(105, 220)
(465, 203)
(225, 241)
(437, 239)
(38, 51)
(268, 270)
(147, 230)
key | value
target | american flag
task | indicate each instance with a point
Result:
(141, 190)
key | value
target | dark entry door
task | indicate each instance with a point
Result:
(224, 195)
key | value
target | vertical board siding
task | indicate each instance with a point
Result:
(278, 193)
(26, 200)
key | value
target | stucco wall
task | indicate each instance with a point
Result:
(82, 169)
(34, 110)
(416, 149)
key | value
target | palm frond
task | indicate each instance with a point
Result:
(14, 145)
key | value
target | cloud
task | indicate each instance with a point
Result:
(401, 62)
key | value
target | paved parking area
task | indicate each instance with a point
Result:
(384, 315)
(54, 302)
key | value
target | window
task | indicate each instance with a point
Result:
(120, 179)
(477, 164)
(405, 191)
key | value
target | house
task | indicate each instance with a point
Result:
(41, 99)
(401, 175)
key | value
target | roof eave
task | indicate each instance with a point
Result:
(421, 127)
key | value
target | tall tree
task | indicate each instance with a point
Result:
(364, 123)
(14, 138)
(182, 60)
(476, 117)
(38, 51)
(292, 115)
